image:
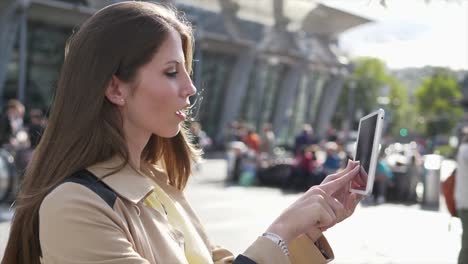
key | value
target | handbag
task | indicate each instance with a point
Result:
(448, 190)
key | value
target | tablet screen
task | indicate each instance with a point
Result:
(364, 147)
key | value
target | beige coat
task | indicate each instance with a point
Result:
(76, 225)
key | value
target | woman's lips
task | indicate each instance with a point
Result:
(181, 115)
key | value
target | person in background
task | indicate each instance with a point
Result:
(333, 160)
(414, 175)
(234, 132)
(11, 124)
(383, 179)
(36, 127)
(461, 194)
(331, 135)
(304, 139)
(106, 181)
(268, 140)
(305, 172)
(199, 137)
(252, 141)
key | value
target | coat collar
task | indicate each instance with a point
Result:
(128, 183)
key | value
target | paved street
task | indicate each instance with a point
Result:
(389, 233)
(234, 216)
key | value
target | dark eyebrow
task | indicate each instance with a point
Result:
(173, 61)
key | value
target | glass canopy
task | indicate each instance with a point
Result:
(303, 15)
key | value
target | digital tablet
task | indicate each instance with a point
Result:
(367, 151)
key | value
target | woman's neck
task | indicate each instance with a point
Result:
(135, 148)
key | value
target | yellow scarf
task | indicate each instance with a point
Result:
(196, 251)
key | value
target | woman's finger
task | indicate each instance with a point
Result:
(338, 208)
(325, 201)
(326, 216)
(318, 196)
(331, 187)
(361, 179)
(351, 164)
(353, 201)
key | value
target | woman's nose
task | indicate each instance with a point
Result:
(189, 88)
(192, 90)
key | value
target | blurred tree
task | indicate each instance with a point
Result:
(437, 99)
(370, 77)
(402, 112)
(361, 90)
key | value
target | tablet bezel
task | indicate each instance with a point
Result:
(375, 150)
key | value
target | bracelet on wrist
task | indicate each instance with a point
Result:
(321, 249)
(277, 240)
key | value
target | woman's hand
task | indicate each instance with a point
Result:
(343, 195)
(320, 207)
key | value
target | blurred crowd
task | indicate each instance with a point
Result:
(19, 130)
(255, 158)
(20, 133)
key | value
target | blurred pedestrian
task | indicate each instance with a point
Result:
(36, 127)
(235, 132)
(414, 175)
(268, 140)
(383, 179)
(106, 181)
(199, 137)
(461, 195)
(333, 160)
(252, 141)
(304, 139)
(11, 125)
(200, 140)
(304, 172)
(332, 135)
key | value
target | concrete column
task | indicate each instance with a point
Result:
(281, 22)
(23, 55)
(287, 96)
(310, 93)
(9, 22)
(260, 87)
(236, 90)
(318, 88)
(328, 103)
(229, 10)
(198, 55)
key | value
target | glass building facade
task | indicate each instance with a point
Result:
(45, 50)
(216, 68)
(260, 99)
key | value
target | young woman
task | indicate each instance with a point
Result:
(105, 183)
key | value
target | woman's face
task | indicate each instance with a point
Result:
(160, 91)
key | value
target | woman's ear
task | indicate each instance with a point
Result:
(116, 91)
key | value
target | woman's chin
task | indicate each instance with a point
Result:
(169, 133)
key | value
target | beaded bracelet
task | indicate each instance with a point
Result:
(277, 240)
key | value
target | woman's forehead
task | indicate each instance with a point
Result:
(171, 49)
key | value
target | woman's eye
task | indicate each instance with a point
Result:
(172, 74)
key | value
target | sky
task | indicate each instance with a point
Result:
(409, 33)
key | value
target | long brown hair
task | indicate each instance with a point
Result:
(86, 128)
